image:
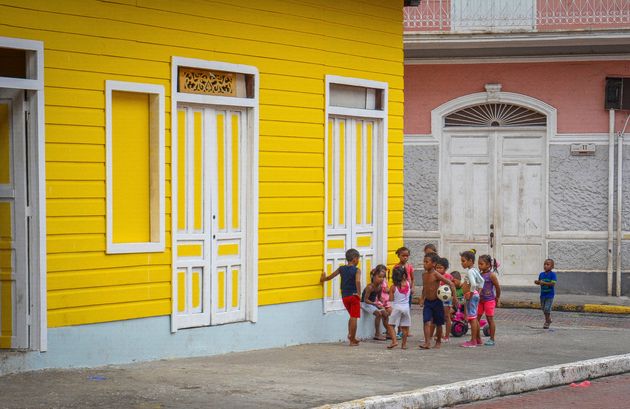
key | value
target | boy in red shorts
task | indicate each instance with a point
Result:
(350, 290)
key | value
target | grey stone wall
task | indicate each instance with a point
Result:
(582, 283)
(579, 255)
(421, 188)
(578, 187)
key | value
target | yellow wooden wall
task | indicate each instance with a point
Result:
(293, 43)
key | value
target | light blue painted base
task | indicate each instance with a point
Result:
(150, 338)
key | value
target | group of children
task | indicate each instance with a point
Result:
(477, 289)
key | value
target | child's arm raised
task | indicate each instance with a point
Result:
(330, 277)
(497, 287)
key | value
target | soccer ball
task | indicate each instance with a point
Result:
(444, 293)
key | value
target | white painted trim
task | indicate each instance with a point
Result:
(418, 234)
(250, 236)
(155, 90)
(38, 293)
(515, 60)
(569, 138)
(420, 140)
(380, 206)
(577, 235)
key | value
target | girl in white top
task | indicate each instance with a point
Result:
(399, 294)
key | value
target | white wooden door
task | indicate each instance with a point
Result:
(520, 200)
(350, 198)
(14, 291)
(209, 284)
(492, 198)
(467, 193)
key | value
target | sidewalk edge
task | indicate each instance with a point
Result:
(592, 308)
(434, 397)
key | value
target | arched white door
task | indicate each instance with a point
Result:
(492, 190)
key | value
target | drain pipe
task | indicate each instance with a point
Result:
(619, 205)
(611, 194)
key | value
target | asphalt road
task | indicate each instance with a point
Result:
(312, 375)
(609, 392)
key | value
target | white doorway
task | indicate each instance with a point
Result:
(493, 188)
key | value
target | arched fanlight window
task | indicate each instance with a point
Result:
(495, 115)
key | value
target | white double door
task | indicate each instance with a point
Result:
(354, 178)
(210, 257)
(493, 198)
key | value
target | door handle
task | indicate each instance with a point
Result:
(491, 239)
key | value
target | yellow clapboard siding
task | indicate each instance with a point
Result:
(293, 45)
(268, 251)
(75, 171)
(302, 204)
(64, 115)
(305, 160)
(109, 277)
(70, 225)
(81, 261)
(107, 295)
(292, 235)
(292, 98)
(293, 145)
(269, 129)
(70, 243)
(289, 280)
(58, 152)
(291, 219)
(110, 312)
(288, 265)
(75, 207)
(297, 114)
(287, 295)
(75, 189)
(74, 97)
(291, 174)
(74, 134)
(313, 189)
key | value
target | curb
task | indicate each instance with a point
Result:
(592, 308)
(434, 397)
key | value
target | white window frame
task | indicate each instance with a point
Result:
(381, 208)
(156, 92)
(250, 178)
(34, 87)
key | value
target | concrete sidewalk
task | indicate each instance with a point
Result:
(312, 375)
(568, 302)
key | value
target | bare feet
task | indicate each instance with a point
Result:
(377, 338)
(437, 345)
(425, 346)
(353, 343)
(403, 346)
(392, 345)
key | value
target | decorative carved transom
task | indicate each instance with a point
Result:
(495, 115)
(196, 81)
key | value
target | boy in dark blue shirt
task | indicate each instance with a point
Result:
(547, 282)
(350, 290)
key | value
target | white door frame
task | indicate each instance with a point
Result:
(494, 95)
(381, 167)
(33, 86)
(250, 178)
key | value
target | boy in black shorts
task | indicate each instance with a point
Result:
(433, 308)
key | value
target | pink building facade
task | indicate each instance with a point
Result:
(509, 148)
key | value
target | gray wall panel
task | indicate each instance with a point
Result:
(578, 187)
(421, 188)
(579, 255)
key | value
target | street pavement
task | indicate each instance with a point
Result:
(312, 375)
(609, 392)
